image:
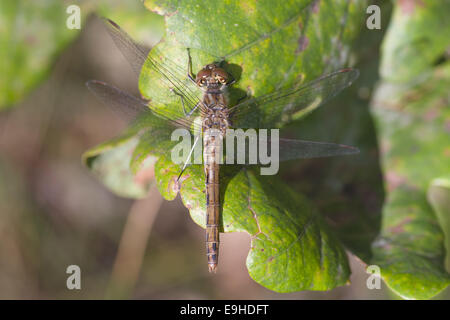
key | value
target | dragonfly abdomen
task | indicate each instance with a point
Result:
(215, 122)
(211, 150)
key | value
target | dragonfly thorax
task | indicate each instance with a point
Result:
(216, 119)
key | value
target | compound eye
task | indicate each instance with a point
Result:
(203, 74)
(220, 75)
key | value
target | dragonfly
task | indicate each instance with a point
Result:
(215, 112)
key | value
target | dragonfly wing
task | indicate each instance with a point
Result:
(129, 107)
(299, 149)
(285, 104)
(137, 55)
(246, 148)
(133, 52)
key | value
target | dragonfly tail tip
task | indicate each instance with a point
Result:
(212, 268)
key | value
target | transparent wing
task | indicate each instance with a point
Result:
(138, 55)
(133, 52)
(283, 104)
(299, 149)
(253, 149)
(129, 107)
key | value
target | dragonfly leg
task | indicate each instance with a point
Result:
(244, 97)
(182, 101)
(187, 114)
(188, 157)
(233, 80)
(193, 109)
(190, 74)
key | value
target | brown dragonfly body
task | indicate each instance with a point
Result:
(213, 80)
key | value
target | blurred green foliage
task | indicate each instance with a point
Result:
(34, 33)
(416, 39)
(412, 114)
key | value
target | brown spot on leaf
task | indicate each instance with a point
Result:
(430, 115)
(174, 185)
(447, 125)
(303, 43)
(31, 40)
(184, 177)
(299, 78)
(164, 171)
(315, 6)
(394, 180)
(385, 146)
(399, 228)
(447, 152)
(408, 6)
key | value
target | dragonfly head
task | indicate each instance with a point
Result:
(212, 77)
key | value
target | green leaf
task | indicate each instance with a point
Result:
(267, 46)
(347, 190)
(417, 38)
(109, 162)
(292, 248)
(124, 164)
(412, 123)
